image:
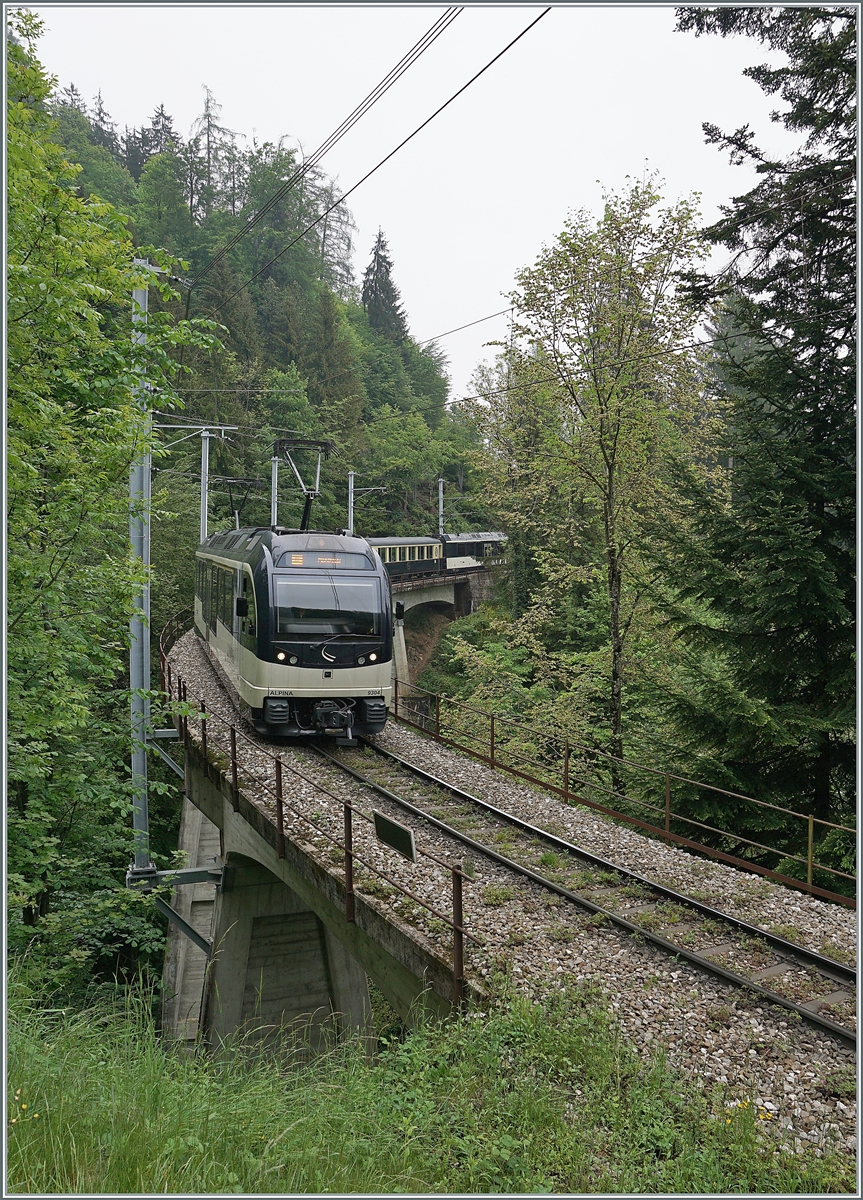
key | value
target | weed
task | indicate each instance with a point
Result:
(790, 932)
(496, 894)
(636, 891)
(841, 1083)
(550, 858)
(718, 1015)
(838, 953)
(562, 933)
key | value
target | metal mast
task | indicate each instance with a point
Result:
(139, 626)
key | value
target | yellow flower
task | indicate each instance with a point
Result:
(23, 1106)
(35, 1115)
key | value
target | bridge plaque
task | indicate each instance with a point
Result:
(397, 837)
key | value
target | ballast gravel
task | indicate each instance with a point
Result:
(801, 1081)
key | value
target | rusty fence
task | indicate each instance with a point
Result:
(176, 690)
(604, 782)
(570, 769)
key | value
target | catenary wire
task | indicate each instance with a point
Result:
(377, 167)
(723, 337)
(428, 38)
(258, 390)
(549, 378)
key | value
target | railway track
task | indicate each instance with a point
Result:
(820, 990)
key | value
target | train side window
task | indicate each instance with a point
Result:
(227, 598)
(403, 554)
(412, 553)
(213, 597)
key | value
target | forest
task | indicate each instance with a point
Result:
(670, 453)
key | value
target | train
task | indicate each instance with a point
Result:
(300, 627)
(299, 623)
(420, 556)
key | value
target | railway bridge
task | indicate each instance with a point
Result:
(457, 592)
(271, 934)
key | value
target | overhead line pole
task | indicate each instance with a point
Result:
(352, 494)
(205, 479)
(139, 625)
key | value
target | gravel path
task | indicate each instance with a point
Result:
(801, 1080)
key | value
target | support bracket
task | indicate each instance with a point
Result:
(184, 926)
(166, 758)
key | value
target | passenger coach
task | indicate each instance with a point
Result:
(418, 556)
(300, 627)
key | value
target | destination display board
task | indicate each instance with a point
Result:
(330, 560)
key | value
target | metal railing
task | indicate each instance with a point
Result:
(561, 765)
(176, 690)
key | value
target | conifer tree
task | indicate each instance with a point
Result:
(103, 129)
(769, 567)
(161, 134)
(381, 299)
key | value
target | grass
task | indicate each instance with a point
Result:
(523, 1099)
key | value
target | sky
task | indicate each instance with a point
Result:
(592, 94)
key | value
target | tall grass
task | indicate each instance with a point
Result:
(524, 1099)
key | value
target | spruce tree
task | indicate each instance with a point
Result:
(103, 128)
(769, 568)
(161, 134)
(381, 299)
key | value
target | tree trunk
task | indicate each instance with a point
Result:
(615, 580)
(614, 566)
(821, 780)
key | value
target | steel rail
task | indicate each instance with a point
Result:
(830, 966)
(848, 1036)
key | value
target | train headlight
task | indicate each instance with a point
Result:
(294, 660)
(373, 658)
(281, 656)
(361, 660)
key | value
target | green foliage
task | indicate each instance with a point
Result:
(74, 426)
(381, 299)
(527, 1099)
(100, 175)
(764, 566)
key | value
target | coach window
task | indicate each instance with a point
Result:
(213, 598)
(403, 554)
(412, 553)
(227, 597)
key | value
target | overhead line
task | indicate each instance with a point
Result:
(518, 387)
(428, 38)
(378, 166)
(297, 391)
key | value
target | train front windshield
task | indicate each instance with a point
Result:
(324, 605)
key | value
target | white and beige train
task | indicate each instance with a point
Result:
(300, 627)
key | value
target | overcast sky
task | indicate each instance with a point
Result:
(590, 95)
